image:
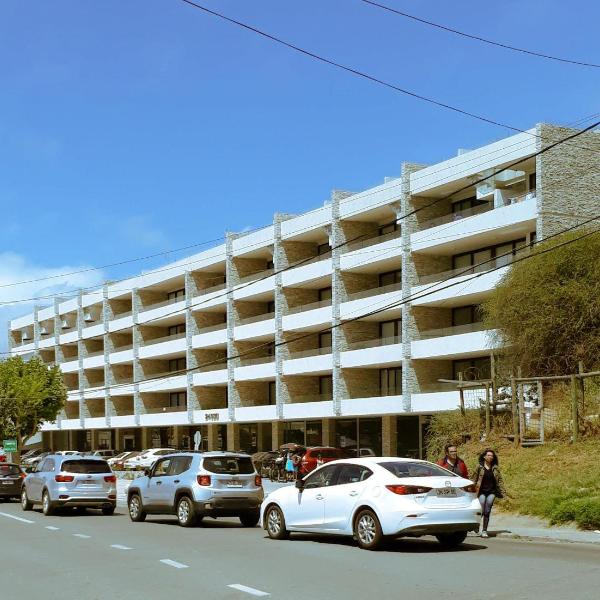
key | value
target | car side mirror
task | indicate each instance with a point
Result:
(147, 472)
(299, 484)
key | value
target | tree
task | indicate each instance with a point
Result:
(546, 310)
(30, 393)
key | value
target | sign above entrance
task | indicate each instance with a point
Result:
(211, 416)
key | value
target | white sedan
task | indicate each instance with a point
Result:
(146, 459)
(371, 498)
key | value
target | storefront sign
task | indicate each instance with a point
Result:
(211, 416)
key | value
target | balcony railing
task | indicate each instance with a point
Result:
(375, 342)
(384, 289)
(310, 306)
(256, 276)
(214, 288)
(96, 353)
(259, 360)
(311, 352)
(123, 348)
(122, 380)
(163, 303)
(166, 338)
(122, 315)
(210, 328)
(489, 265)
(90, 323)
(312, 398)
(456, 330)
(371, 241)
(501, 198)
(217, 366)
(166, 409)
(257, 318)
(163, 375)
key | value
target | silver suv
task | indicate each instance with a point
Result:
(195, 485)
(80, 481)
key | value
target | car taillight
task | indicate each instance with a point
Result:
(407, 490)
(203, 480)
(64, 478)
(471, 488)
(110, 478)
(257, 480)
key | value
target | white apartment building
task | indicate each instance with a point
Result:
(331, 327)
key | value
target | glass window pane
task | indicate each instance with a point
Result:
(461, 261)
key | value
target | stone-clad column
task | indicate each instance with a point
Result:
(137, 340)
(336, 238)
(58, 355)
(36, 329)
(108, 379)
(81, 354)
(191, 329)
(230, 279)
(279, 263)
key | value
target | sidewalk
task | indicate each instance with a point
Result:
(503, 525)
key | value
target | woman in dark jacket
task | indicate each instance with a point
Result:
(489, 483)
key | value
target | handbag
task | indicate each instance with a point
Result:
(289, 465)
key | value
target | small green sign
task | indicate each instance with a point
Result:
(10, 445)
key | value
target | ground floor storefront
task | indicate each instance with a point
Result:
(392, 435)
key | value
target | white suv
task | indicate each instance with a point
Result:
(147, 458)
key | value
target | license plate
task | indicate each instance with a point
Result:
(88, 482)
(233, 483)
(7, 483)
(446, 492)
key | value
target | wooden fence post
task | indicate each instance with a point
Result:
(574, 408)
(521, 400)
(515, 415)
(581, 382)
(540, 390)
(488, 421)
(461, 394)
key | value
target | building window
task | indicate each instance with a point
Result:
(389, 228)
(176, 294)
(472, 368)
(270, 265)
(323, 249)
(390, 381)
(325, 294)
(326, 387)
(177, 364)
(325, 340)
(466, 204)
(390, 277)
(176, 329)
(390, 329)
(483, 256)
(178, 399)
(271, 306)
(532, 181)
(465, 315)
(272, 392)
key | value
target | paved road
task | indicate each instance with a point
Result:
(89, 557)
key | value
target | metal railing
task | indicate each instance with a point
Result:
(456, 330)
(256, 276)
(167, 302)
(259, 360)
(312, 398)
(311, 352)
(214, 367)
(384, 289)
(466, 271)
(310, 306)
(371, 241)
(214, 288)
(375, 342)
(122, 315)
(256, 318)
(166, 338)
(92, 354)
(210, 328)
(123, 348)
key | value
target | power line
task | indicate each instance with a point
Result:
(479, 38)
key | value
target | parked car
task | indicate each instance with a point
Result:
(2, 455)
(147, 458)
(74, 480)
(103, 453)
(117, 462)
(11, 480)
(192, 485)
(67, 452)
(370, 498)
(326, 454)
(32, 461)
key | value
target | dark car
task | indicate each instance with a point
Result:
(317, 455)
(11, 480)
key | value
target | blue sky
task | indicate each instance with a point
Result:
(129, 128)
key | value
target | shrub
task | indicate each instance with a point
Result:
(584, 511)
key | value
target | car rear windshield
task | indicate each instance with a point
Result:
(7, 470)
(85, 466)
(415, 469)
(229, 465)
(325, 453)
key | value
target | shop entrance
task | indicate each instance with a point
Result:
(304, 433)
(359, 437)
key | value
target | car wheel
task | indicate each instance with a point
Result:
(452, 540)
(47, 506)
(250, 519)
(25, 503)
(185, 512)
(108, 510)
(134, 506)
(367, 530)
(275, 523)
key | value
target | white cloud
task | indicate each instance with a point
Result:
(42, 281)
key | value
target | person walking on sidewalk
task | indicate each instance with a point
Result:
(489, 484)
(452, 462)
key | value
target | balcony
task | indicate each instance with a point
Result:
(376, 405)
(316, 267)
(162, 309)
(450, 345)
(455, 330)
(500, 223)
(261, 326)
(162, 382)
(159, 417)
(315, 360)
(377, 352)
(308, 316)
(166, 345)
(261, 368)
(212, 296)
(257, 275)
(361, 303)
(467, 271)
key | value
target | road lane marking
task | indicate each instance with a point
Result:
(16, 518)
(248, 590)
(52, 528)
(119, 547)
(82, 536)
(173, 563)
